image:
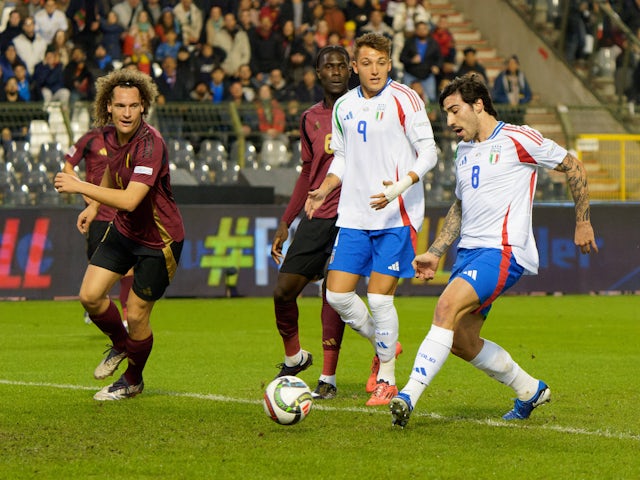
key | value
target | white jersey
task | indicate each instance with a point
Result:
(377, 139)
(496, 183)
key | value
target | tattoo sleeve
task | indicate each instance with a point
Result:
(577, 180)
(450, 230)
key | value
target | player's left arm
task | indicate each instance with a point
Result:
(577, 180)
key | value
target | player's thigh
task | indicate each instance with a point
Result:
(152, 274)
(97, 283)
(95, 235)
(342, 282)
(289, 286)
(352, 253)
(457, 299)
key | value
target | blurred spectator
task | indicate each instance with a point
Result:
(213, 25)
(190, 18)
(138, 42)
(511, 88)
(289, 37)
(280, 88)
(405, 17)
(578, 29)
(235, 43)
(29, 8)
(201, 93)
(205, 61)
(25, 86)
(334, 16)
(12, 29)
(266, 49)
(112, 35)
(298, 12)
(321, 33)
(10, 92)
(248, 17)
(218, 85)
(101, 63)
(470, 64)
(249, 84)
(77, 77)
(444, 37)
(308, 91)
(271, 9)
(630, 14)
(62, 45)
(84, 20)
(422, 59)
(8, 61)
(127, 11)
(271, 116)
(169, 47)
(187, 67)
(172, 87)
(236, 93)
(359, 12)
(30, 46)
(49, 20)
(376, 25)
(155, 8)
(166, 23)
(49, 78)
(303, 54)
(292, 118)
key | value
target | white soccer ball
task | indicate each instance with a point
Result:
(287, 400)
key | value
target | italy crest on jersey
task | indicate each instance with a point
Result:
(380, 111)
(494, 154)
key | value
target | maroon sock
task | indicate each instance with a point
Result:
(125, 286)
(332, 332)
(110, 323)
(138, 352)
(287, 322)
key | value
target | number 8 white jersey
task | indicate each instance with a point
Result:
(496, 183)
(377, 139)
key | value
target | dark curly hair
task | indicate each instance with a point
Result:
(125, 78)
(471, 87)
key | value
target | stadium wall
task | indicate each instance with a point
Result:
(42, 254)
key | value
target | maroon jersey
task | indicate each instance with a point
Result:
(156, 221)
(315, 137)
(91, 148)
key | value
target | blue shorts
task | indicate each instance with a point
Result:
(490, 272)
(389, 251)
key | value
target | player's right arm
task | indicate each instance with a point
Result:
(317, 196)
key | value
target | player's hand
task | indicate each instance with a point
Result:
(585, 238)
(66, 183)
(425, 265)
(85, 218)
(314, 201)
(379, 200)
(282, 233)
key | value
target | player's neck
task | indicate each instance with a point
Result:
(487, 126)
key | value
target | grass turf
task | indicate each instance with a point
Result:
(201, 416)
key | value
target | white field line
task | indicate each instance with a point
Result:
(327, 408)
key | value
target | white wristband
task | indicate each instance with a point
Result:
(396, 189)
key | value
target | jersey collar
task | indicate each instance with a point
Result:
(359, 89)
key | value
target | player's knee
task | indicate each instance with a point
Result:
(342, 303)
(281, 294)
(380, 304)
(445, 314)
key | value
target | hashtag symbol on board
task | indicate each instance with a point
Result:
(228, 248)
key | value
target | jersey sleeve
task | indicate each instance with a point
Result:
(76, 152)
(299, 195)
(420, 134)
(533, 148)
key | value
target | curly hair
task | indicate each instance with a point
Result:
(471, 88)
(126, 78)
(376, 41)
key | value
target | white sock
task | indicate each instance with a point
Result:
(431, 356)
(354, 313)
(296, 359)
(496, 362)
(387, 371)
(385, 319)
(328, 379)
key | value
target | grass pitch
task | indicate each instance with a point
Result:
(201, 414)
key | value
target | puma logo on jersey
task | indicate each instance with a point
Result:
(471, 273)
(394, 267)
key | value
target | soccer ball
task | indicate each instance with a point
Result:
(287, 400)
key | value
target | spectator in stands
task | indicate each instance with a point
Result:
(29, 8)
(168, 47)
(218, 85)
(630, 14)
(172, 87)
(271, 116)
(166, 23)
(405, 17)
(10, 93)
(205, 61)
(235, 43)
(444, 37)
(266, 49)
(280, 88)
(422, 59)
(190, 18)
(49, 78)
(334, 16)
(470, 64)
(49, 20)
(321, 33)
(187, 67)
(376, 25)
(63, 46)
(112, 35)
(25, 87)
(249, 84)
(511, 88)
(248, 16)
(303, 52)
(201, 93)
(359, 12)
(289, 37)
(12, 29)
(127, 11)
(8, 61)
(138, 42)
(155, 8)
(101, 63)
(578, 26)
(298, 12)
(236, 93)
(271, 9)
(213, 25)
(308, 91)
(30, 46)
(77, 77)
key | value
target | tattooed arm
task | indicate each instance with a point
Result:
(426, 263)
(577, 180)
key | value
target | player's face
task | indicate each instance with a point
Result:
(333, 73)
(373, 68)
(126, 112)
(462, 117)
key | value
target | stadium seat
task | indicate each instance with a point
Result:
(39, 133)
(274, 153)
(249, 156)
(296, 152)
(212, 151)
(17, 198)
(51, 156)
